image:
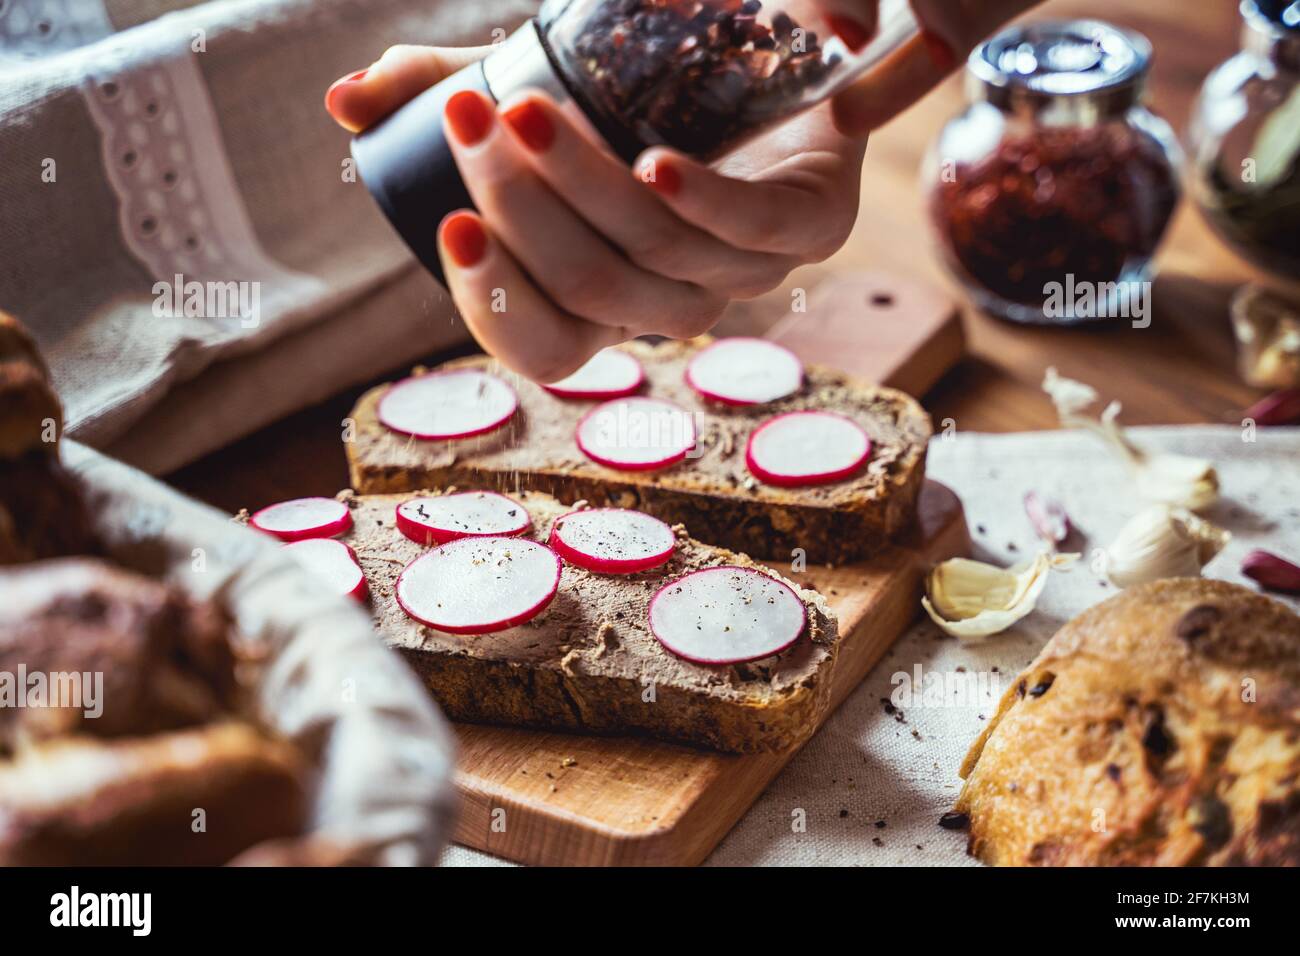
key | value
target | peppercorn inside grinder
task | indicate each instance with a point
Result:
(701, 76)
(1050, 192)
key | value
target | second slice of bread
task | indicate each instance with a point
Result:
(589, 662)
(712, 493)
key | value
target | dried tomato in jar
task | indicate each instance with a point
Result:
(1051, 192)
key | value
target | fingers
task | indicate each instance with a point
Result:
(506, 313)
(949, 31)
(575, 266)
(598, 188)
(761, 216)
(360, 100)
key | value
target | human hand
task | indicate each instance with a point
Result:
(568, 252)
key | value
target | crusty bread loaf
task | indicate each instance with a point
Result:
(42, 513)
(589, 662)
(713, 495)
(1161, 727)
(195, 797)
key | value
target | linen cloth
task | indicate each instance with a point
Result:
(873, 784)
(144, 139)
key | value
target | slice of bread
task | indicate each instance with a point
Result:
(713, 494)
(589, 662)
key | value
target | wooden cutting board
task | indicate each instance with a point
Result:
(566, 799)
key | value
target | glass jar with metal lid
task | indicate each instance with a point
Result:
(1245, 140)
(1050, 192)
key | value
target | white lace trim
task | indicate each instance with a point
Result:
(30, 29)
(180, 209)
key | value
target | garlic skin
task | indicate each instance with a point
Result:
(1179, 480)
(971, 600)
(1162, 542)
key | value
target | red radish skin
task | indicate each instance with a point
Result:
(303, 518)
(807, 448)
(333, 563)
(745, 371)
(612, 540)
(726, 615)
(610, 373)
(456, 403)
(479, 585)
(465, 514)
(636, 434)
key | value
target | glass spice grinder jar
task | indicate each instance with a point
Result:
(701, 76)
(1245, 140)
(1056, 178)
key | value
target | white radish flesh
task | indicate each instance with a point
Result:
(303, 518)
(456, 403)
(610, 373)
(613, 540)
(479, 585)
(745, 371)
(636, 434)
(465, 514)
(333, 563)
(726, 615)
(807, 448)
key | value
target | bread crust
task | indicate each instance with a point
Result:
(1161, 727)
(713, 495)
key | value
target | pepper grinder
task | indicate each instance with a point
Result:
(702, 76)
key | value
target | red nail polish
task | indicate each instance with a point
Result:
(531, 124)
(853, 33)
(469, 117)
(340, 83)
(661, 177)
(463, 238)
(941, 54)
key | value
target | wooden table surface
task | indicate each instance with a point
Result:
(1179, 370)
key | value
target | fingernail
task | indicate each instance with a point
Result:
(853, 33)
(941, 54)
(340, 83)
(531, 124)
(469, 117)
(464, 239)
(660, 177)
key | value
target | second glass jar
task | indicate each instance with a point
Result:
(1050, 192)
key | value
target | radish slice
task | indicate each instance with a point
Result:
(303, 518)
(456, 403)
(806, 448)
(726, 615)
(636, 434)
(613, 540)
(610, 373)
(745, 371)
(466, 514)
(479, 585)
(333, 562)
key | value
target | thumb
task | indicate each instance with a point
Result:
(360, 100)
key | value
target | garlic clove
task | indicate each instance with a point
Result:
(971, 600)
(1179, 480)
(1049, 518)
(1162, 542)
(1267, 328)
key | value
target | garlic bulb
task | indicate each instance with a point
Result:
(1179, 480)
(1162, 542)
(972, 600)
